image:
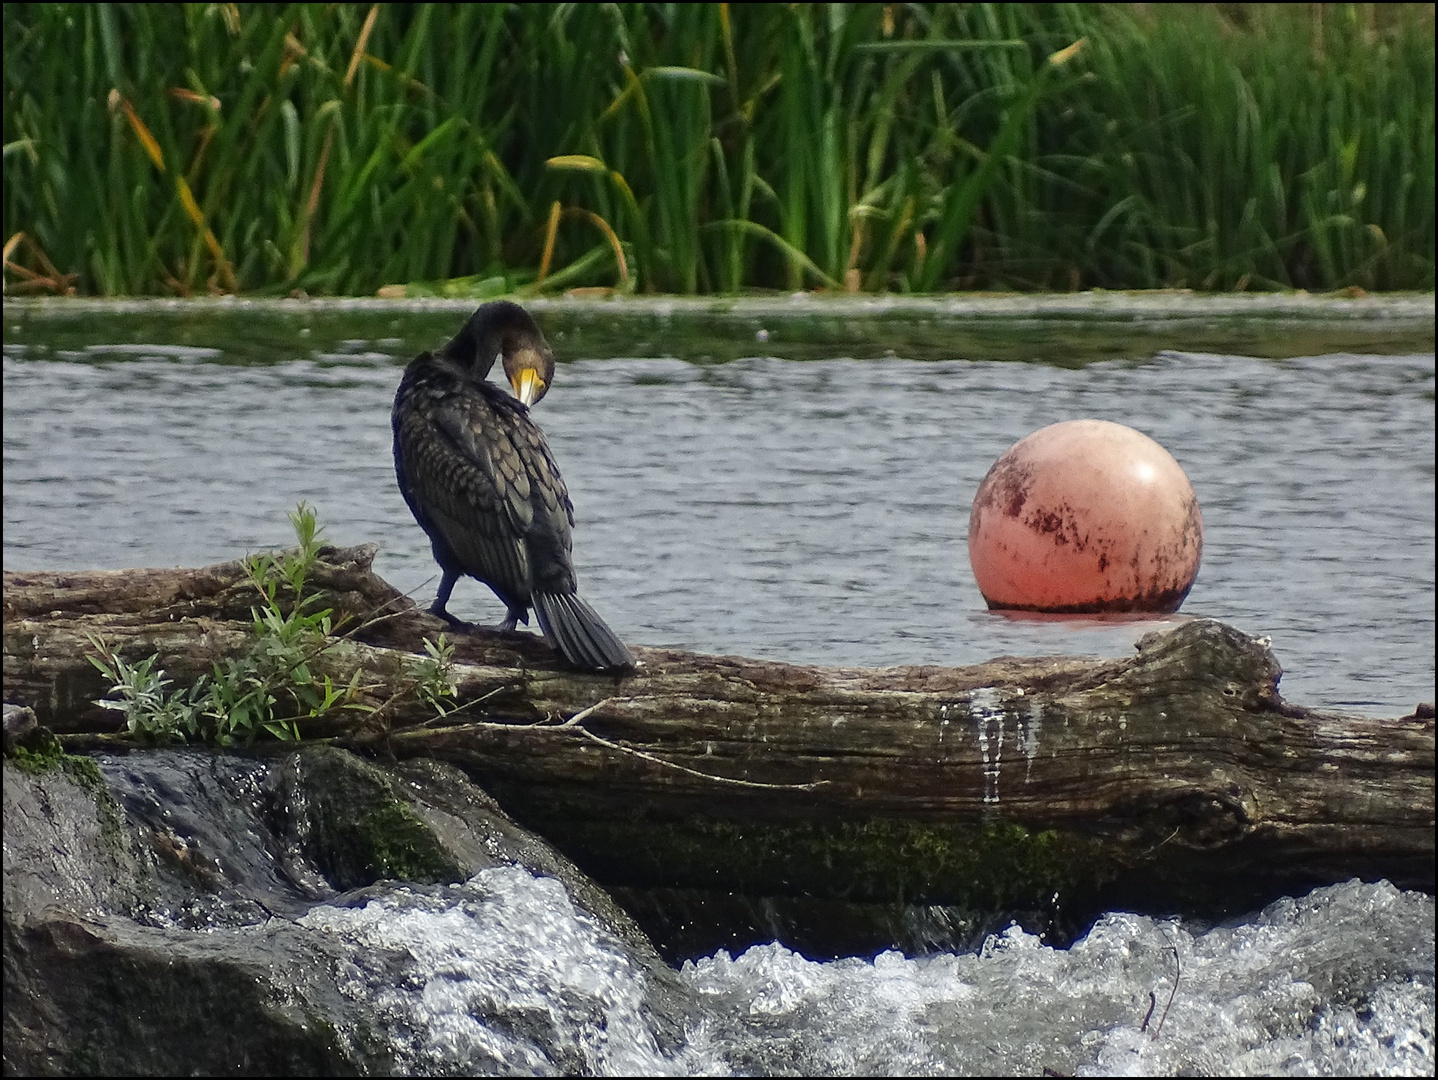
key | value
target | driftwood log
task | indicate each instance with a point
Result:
(1173, 780)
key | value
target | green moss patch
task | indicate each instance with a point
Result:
(358, 828)
(990, 866)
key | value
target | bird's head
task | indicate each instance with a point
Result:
(503, 330)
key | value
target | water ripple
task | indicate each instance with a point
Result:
(813, 512)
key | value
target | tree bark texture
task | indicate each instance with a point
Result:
(1177, 779)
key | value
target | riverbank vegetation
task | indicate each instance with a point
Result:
(481, 149)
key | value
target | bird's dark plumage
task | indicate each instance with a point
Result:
(481, 482)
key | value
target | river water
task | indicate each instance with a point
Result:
(730, 500)
(741, 487)
(501, 976)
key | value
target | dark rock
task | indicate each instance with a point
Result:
(19, 721)
(154, 907)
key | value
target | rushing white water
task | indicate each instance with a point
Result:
(501, 976)
(504, 975)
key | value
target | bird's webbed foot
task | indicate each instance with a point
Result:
(458, 625)
(513, 619)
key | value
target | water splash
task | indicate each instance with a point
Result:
(501, 975)
(1337, 983)
(504, 975)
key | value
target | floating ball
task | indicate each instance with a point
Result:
(1085, 516)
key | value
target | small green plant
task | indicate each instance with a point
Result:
(276, 670)
(151, 712)
(269, 570)
(435, 674)
(270, 687)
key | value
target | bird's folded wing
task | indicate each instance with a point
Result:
(475, 490)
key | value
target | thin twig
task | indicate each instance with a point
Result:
(1177, 974)
(372, 621)
(377, 713)
(1160, 844)
(696, 772)
(470, 704)
(584, 714)
(389, 615)
(575, 722)
(497, 725)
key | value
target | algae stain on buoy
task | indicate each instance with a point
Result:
(1085, 516)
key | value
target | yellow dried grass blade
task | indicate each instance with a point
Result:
(143, 134)
(551, 229)
(361, 43)
(179, 93)
(187, 200)
(1063, 56)
(192, 208)
(582, 162)
(612, 237)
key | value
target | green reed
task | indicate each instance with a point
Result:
(180, 149)
(1281, 152)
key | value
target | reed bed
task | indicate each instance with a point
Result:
(710, 148)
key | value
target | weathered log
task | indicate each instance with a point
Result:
(1174, 780)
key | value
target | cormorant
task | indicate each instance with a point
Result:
(480, 480)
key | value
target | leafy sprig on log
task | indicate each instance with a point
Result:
(271, 687)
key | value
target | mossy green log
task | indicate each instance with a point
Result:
(984, 867)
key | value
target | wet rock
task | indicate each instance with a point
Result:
(156, 903)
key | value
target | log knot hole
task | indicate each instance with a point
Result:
(1202, 820)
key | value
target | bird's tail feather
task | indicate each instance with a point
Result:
(577, 631)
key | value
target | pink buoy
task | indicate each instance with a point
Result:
(1085, 516)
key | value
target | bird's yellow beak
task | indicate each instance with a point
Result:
(528, 386)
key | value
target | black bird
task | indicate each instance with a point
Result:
(480, 480)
